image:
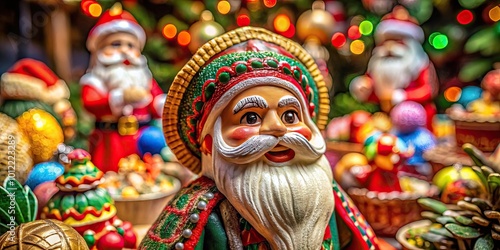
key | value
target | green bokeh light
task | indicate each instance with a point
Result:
(440, 41)
(366, 27)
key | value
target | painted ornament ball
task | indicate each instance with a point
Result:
(44, 133)
(151, 141)
(43, 172)
(408, 116)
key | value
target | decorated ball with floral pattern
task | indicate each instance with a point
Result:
(408, 116)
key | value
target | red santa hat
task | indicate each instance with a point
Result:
(115, 20)
(398, 22)
(30, 79)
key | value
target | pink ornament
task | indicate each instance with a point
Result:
(408, 116)
(79, 154)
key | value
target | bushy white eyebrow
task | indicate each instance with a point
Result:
(250, 102)
(288, 101)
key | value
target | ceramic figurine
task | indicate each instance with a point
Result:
(88, 208)
(409, 119)
(118, 89)
(246, 116)
(20, 230)
(386, 155)
(399, 68)
(31, 84)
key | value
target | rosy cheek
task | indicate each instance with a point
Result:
(242, 133)
(303, 130)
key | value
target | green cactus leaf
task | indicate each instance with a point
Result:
(484, 243)
(464, 220)
(475, 154)
(443, 220)
(432, 237)
(469, 206)
(441, 231)
(433, 205)
(463, 232)
(482, 203)
(482, 177)
(429, 215)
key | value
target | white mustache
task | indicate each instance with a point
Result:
(258, 145)
(118, 58)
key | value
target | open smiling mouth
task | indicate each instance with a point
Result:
(280, 156)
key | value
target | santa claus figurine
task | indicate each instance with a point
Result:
(118, 88)
(399, 69)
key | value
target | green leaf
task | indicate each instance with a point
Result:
(470, 4)
(441, 231)
(482, 177)
(443, 220)
(474, 70)
(475, 154)
(432, 237)
(33, 207)
(463, 232)
(433, 205)
(484, 243)
(480, 41)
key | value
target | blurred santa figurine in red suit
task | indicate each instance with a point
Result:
(399, 69)
(118, 89)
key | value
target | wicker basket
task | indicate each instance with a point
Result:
(387, 212)
(145, 209)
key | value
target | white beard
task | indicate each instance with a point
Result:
(289, 204)
(390, 73)
(117, 75)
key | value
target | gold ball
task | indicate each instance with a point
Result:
(44, 133)
(316, 22)
(203, 30)
(15, 154)
(43, 234)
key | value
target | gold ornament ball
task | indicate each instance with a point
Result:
(15, 154)
(44, 133)
(41, 235)
(316, 22)
(204, 30)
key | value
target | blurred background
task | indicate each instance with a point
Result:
(462, 37)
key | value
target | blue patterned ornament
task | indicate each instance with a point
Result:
(43, 172)
(469, 94)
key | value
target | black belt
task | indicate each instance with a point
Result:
(114, 125)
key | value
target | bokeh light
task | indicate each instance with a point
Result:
(243, 20)
(270, 3)
(452, 94)
(223, 7)
(440, 41)
(290, 32)
(465, 17)
(281, 23)
(169, 31)
(338, 40)
(366, 27)
(95, 10)
(353, 32)
(184, 38)
(357, 47)
(494, 13)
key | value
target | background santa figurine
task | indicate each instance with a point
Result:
(118, 88)
(399, 69)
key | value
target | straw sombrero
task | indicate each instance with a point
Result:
(219, 66)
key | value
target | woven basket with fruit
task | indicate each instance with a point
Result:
(473, 223)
